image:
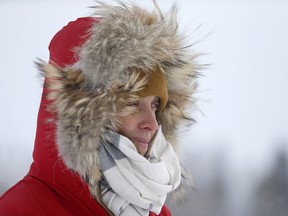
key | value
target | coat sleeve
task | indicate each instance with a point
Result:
(164, 212)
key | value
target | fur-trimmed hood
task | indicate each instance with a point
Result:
(86, 84)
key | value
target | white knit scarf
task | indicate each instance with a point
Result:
(133, 185)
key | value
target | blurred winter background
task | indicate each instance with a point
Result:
(237, 151)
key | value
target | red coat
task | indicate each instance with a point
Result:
(50, 188)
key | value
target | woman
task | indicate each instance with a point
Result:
(116, 89)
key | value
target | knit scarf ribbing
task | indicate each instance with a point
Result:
(134, 185)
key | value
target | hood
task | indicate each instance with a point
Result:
(92, 72)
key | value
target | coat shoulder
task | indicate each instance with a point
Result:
(16, 200)
(32, 196)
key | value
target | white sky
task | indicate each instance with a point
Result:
(243, 94)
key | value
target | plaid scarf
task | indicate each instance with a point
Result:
(134, 185)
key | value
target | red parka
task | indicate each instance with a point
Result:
(50, 188)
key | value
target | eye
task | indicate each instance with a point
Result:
(133, 104)
(155, 105)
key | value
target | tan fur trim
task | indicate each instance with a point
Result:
(88, 96)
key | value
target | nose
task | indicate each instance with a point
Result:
(148, 120)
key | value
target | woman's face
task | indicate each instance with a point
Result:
(141, 126)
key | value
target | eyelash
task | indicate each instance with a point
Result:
(154, 105)
(133, 104)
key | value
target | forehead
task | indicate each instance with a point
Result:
(150, 99)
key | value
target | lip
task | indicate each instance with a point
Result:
(142, 141)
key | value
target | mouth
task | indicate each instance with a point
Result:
(142, 141)
(142, 145)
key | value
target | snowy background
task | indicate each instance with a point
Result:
(237, 151)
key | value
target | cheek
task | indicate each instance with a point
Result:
(127, 125)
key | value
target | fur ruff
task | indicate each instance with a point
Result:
(87, 95)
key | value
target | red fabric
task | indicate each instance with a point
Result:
(49, 187)
(73, 35)
(164, 212)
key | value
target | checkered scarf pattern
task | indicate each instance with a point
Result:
(135, 185)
